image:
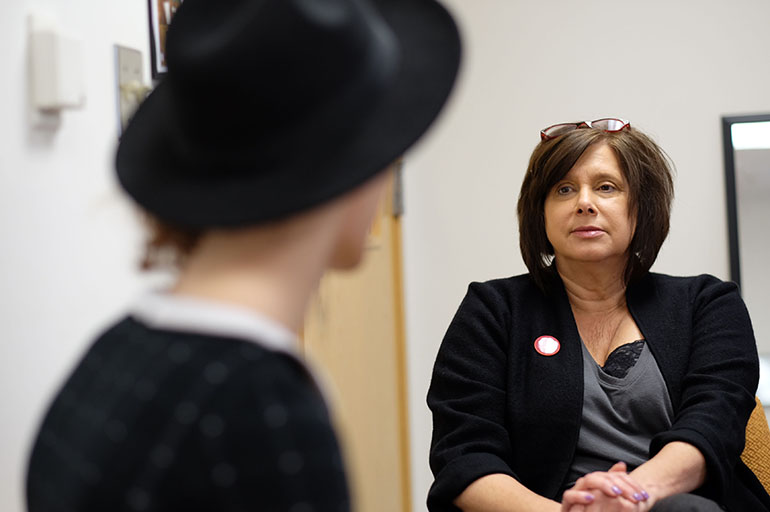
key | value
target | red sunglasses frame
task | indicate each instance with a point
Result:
(584, 124)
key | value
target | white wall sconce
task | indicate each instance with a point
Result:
(56, 67)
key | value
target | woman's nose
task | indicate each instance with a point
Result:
(585, 203)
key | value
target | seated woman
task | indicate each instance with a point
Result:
(590, 383)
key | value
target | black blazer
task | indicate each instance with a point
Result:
(501, 407)
(165, 421)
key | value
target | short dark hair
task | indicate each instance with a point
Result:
(166, 245)
(645, 166)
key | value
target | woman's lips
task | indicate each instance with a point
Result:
(588, 232)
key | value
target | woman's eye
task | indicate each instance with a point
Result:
(564, 189)
(606, 187)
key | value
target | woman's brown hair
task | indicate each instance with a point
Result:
(646, 168)
(166, 245)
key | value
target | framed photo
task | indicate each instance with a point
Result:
(161, 14)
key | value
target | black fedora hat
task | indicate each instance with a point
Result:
(270, 107)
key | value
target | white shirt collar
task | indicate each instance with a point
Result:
(163, 310)
(192, 314)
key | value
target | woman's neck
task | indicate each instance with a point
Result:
(272, 270)
(597, 297)
(593, 288)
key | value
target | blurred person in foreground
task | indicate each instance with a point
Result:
(259, 159)
(590, 383)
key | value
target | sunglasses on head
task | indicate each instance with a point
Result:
(607, 124)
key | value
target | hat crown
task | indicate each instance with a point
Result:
(271, 107)
(243, 70)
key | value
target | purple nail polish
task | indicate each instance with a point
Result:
(645, 495)
(616, 490)
(637, 496)
(589, 497)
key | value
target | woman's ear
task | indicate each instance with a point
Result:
(359, 208)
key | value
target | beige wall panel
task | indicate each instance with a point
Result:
(354, 332)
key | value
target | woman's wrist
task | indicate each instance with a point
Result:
(679, 467)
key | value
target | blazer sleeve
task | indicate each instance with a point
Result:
(717, 392)
(467, 397)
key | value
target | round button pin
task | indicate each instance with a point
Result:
(547, 345)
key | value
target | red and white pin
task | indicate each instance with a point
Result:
(547, 346)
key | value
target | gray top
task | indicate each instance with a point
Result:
(621, 413)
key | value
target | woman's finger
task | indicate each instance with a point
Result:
(612, 484)
(618, 504)
(619, 467)
(632, 490)
(571, 498)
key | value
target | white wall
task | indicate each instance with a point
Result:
(672, 68)
(68, 240)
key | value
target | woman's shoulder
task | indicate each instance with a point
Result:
(503, 297)
(510, 283)
(693, 283)
(505, 288)
(682, 290)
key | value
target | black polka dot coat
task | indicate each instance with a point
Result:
(158, 420)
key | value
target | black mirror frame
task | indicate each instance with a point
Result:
(730, 188)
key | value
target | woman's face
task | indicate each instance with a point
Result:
(586, 214)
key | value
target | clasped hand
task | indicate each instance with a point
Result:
(606, 491)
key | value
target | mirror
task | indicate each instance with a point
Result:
(747, 179)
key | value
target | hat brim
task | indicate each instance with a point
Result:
(148, 161)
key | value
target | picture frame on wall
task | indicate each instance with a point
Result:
(161, 14)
